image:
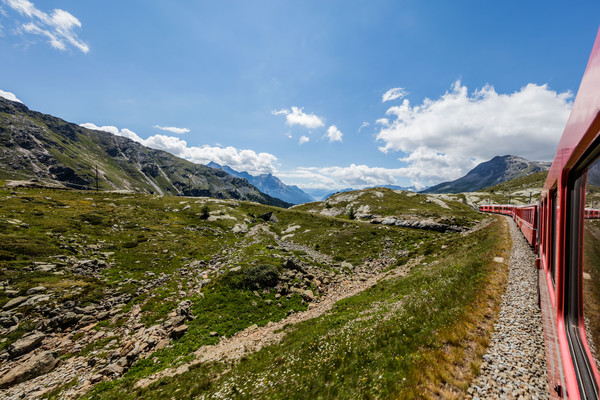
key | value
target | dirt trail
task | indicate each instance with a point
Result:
(253, 339)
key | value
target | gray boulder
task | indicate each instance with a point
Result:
(25, 344)
(36, 290)
(38, 365)
(240, 228)
(14, 302)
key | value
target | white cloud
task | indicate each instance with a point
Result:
(303, 139)
(298, 117)
(114, 130)
(365, 124)
(173, 129)
(393, 94)
(334, 134)
(57, 27)
(335, 177)
(241, 160)
(442, 139)
(9, 96)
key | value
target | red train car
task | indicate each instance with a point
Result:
(524, 216)
(569, 247)
(568, 243)
(591, 213)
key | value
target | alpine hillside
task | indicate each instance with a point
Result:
(48, 149)
(497, 170)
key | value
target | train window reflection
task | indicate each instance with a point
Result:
(591, 261)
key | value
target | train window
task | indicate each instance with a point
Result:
(553, 227)
(591, 261)
(582, 276)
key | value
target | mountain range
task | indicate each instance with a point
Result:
(48, 149)
(497, 170)
(269, 184)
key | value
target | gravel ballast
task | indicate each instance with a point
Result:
(514, 365)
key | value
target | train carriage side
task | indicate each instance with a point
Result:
(526, 218)
(569, 247)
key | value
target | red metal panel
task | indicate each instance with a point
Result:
(581, 131)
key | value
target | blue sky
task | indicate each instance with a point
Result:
(327, 94)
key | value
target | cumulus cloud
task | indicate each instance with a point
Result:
(336, 177)
(334, 134)
(442, 139)
(172, 129)
(242, 160)
(303, 139)
(393, 94)
(296, 116)
(58, 27)
(9, 96)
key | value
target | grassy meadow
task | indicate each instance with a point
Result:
(418, 334)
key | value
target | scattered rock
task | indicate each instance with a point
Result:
(25, 344)
(389, 221)
(112, 369)
(179, 331)
(240, 228)
(14, 302)
(346, 265)
(268, 217)
(292, 264)
(162, 344)
(308, 295)
(38, 365)
(36, 290)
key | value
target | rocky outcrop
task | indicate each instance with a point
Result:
(427, 224)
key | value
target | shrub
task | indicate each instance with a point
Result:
(93, 219)
(351, 213)
(204, 212)
(260, 276)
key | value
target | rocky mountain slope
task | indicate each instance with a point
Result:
(499, 169)
(269, 184)
(395, 208)
(42, 147)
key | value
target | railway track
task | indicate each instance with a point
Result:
(514, 365)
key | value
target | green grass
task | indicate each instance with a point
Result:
(373, 345)
(142, 237)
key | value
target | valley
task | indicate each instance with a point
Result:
(106, 293)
